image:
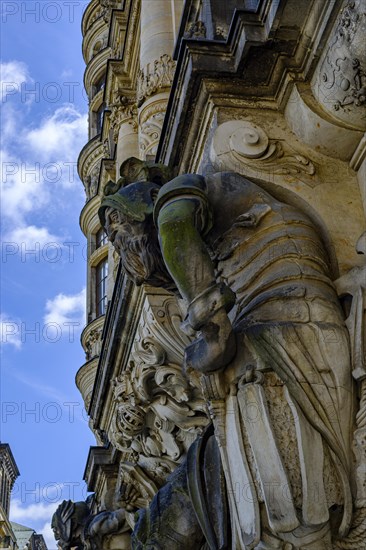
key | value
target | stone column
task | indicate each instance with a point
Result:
(124, 127)
(158, 21)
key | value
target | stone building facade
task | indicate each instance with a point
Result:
(275, 93)
(8, 474)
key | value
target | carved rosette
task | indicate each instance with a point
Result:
(158, 411)
(155, 77)
(340, 84)
(247, 148)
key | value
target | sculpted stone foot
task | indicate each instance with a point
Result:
(216, 346)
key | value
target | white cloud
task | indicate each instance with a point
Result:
(13, 74)
(37, 511)
(48, 536)
(10, 330)
(30, 237)
(22, 187)
(66, 308)
(38, 159)
(59, 137)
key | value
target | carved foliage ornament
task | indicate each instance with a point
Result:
(150, 132)
(249, 147)
(123, 109)
(152, 79)
(159, 412)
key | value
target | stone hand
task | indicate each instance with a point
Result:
(215, 347)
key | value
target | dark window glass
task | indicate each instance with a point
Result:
(100, 115)
(101, 287)
(100, 238)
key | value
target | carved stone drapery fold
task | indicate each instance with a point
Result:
(152, 79)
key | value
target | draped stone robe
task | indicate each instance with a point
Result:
(286, 423)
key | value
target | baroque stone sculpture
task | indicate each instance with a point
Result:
(273, 351)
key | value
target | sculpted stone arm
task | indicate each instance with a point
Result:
(182, 214)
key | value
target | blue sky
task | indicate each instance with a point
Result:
(44, 126)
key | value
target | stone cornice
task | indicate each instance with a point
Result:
(89, 215)
(96, 68)
(100, 27)
(98, 457)
(91, 14)
(85, 378)
(90, 153)
(8, 461)
(200, 60)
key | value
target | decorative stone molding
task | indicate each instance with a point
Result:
(196, 30)
(106, 148)
(149, 134)
(91, 182)
(107, 6)
(93, 343)
(85, 378)
(340, 84)
(249, 147)
(90, 156)
(123, 110)
(158, 411)
(150, 80)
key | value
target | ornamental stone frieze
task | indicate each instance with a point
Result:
(155, 77)
(339, 83)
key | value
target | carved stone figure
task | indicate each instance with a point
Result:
(75, 527)
(270, 342)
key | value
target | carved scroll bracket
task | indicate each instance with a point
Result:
(248, 149)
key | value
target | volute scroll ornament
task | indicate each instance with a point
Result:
(248, 147)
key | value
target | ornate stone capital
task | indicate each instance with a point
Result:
(123, 110)
(152, 79)
(149, 134)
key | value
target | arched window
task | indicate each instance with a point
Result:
(101, 286)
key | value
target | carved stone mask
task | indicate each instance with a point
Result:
(128, 219)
